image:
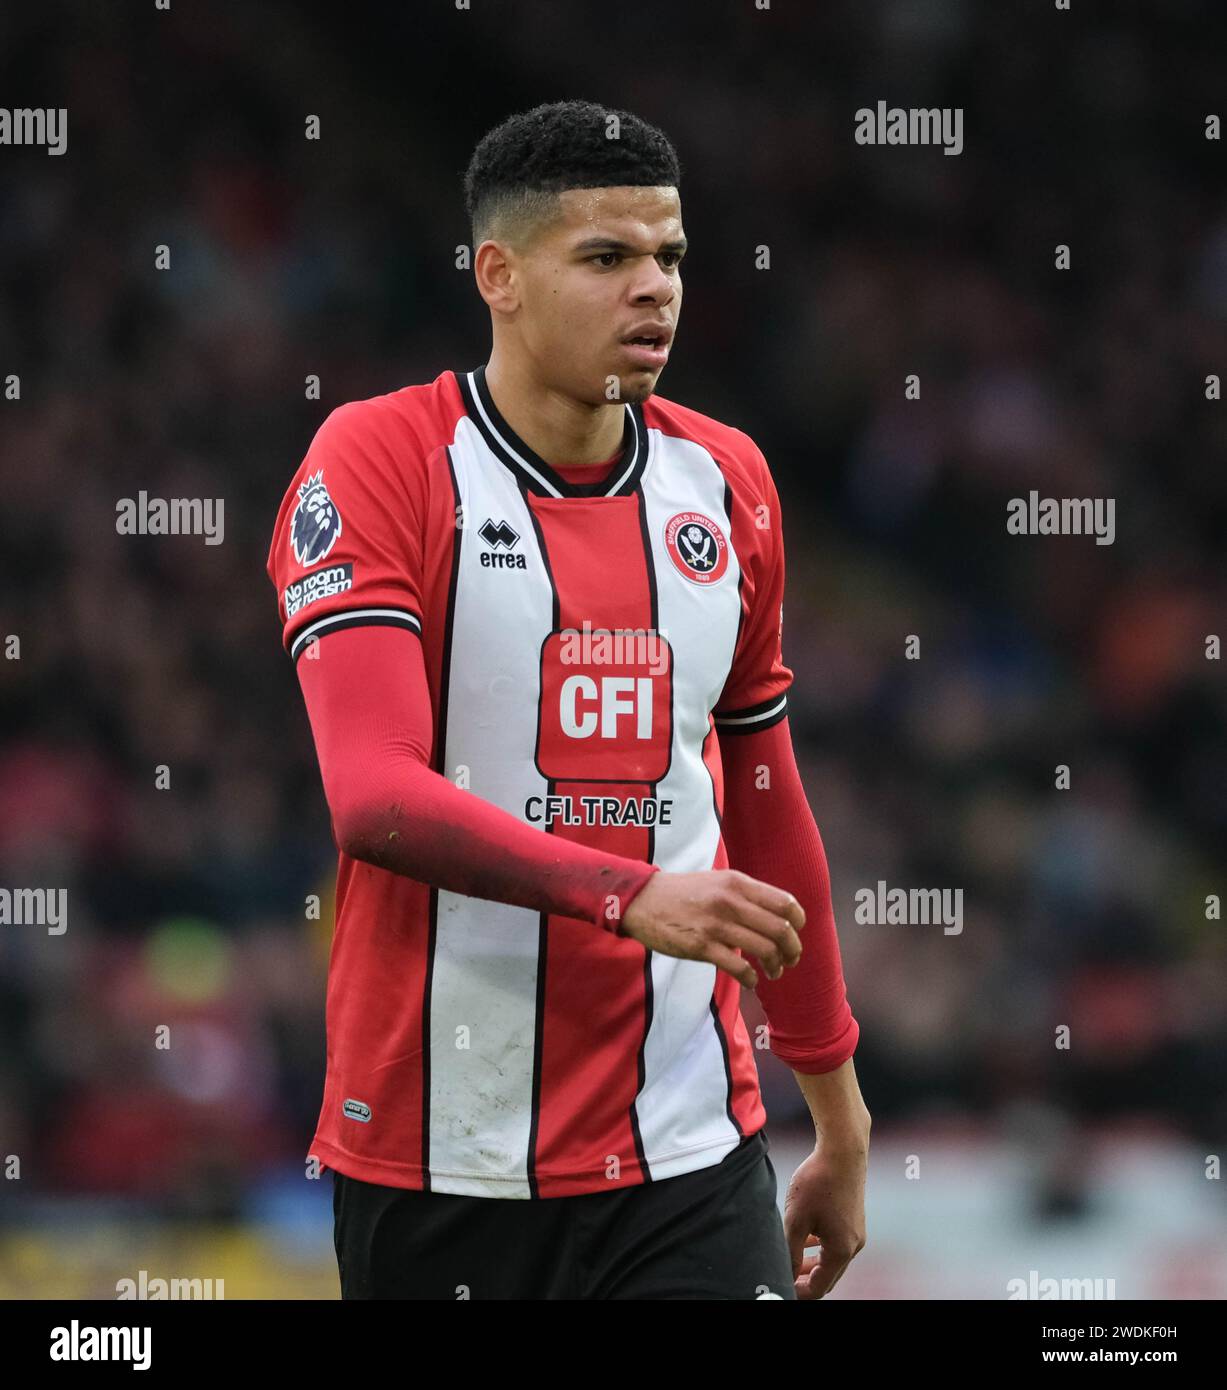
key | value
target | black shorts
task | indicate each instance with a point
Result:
(712, 1234)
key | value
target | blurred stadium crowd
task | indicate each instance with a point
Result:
(291, 257)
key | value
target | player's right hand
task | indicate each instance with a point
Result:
(712, 915)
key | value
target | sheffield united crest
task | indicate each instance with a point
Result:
(697, 547)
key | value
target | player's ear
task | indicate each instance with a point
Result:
(494, 269)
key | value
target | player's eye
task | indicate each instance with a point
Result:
(674, 258)
(608, 257)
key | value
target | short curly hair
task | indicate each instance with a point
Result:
(519, 167)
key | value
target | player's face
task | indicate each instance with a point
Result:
(603, 274)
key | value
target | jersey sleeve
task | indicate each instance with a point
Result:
(368, 702)
(755, 693)
(347, 547)
(770, 833)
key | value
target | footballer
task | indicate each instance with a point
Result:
(535, 611)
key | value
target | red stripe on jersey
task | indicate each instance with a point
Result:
(600, 1015)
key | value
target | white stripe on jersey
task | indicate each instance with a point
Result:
(485, 961)
(763, 714)
(683, 1105)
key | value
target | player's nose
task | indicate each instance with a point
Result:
(653, 285)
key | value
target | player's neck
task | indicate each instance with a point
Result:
(561, 429)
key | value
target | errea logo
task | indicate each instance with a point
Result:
(502, 540)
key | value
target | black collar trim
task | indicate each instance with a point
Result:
(530, 468)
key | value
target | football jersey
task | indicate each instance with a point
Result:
(586, 647)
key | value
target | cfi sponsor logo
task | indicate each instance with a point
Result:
(316, 523)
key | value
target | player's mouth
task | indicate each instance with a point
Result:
(648, 345)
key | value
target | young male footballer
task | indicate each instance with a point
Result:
(536, 614)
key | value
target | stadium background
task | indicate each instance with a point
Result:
(291, 257)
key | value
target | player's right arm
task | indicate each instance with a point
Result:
(368, 701)
(363, 678)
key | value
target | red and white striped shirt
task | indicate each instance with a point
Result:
(585, 648)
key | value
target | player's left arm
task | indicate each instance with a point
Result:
(770, 833)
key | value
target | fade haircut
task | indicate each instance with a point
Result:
(518, 169)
